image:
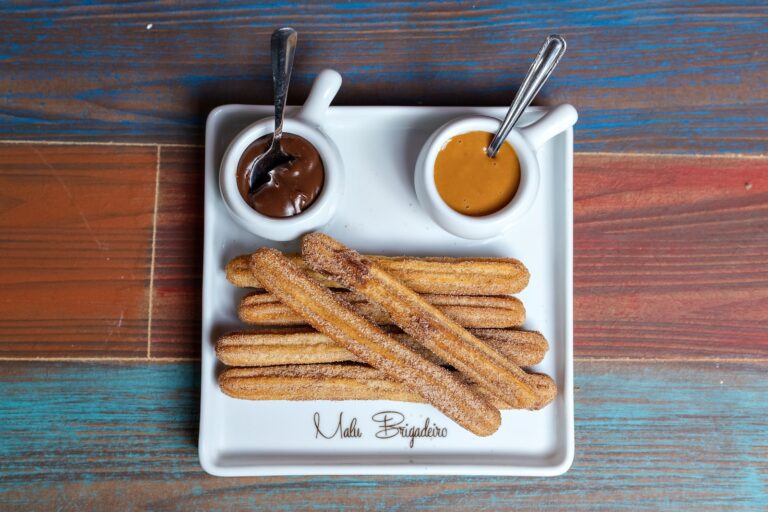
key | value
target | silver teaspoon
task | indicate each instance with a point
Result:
(282, 49)
(549, 55)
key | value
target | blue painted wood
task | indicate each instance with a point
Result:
(650, 436)
(655, 77)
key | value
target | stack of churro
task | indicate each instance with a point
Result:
(332, 324)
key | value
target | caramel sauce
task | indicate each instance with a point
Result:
(472, 183)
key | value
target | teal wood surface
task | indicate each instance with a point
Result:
(649, 436)
(661, 76)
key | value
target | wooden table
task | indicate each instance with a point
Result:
(103, 110)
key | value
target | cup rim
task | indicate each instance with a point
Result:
(258, 223)
(529, 174)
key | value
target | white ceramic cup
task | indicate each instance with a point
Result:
(526, 141)
(307, 123)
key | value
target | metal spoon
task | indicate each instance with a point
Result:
(282, 48)
(549, 55)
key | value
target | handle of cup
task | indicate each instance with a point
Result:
(324, 89)
(555, 121)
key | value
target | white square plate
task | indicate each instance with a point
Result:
(379, 214)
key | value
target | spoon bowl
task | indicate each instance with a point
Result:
(264, 165)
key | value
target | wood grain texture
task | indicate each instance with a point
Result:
(75, 240)
(657, 76)
(671, 257)
(177, 290)
(658, 436)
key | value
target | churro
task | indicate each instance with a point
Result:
(446, 275)
(524, 348)
(480, 362)
(467, 310)
(335, 319)
(340, 382)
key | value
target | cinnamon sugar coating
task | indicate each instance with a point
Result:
(318, 306)
(477, 360)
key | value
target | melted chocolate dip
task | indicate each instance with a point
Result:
(292, 187)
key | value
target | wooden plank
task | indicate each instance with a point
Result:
(177, 299)
(649, 437)
(661, 76)
(671, 257)
(75, 239)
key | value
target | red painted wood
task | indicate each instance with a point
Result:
(75, 245)
(177, 299)
(671, 256)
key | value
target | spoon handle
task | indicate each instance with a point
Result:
(549, 55)
(283, 47)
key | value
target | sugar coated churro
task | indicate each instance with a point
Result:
(335, 319)
(445, 275)
(477, 360)
(339, 382)
(524, 348)
(467, 310)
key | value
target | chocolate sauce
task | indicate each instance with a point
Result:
(292, 187)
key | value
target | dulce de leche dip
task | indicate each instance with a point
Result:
(292, 187)
(472, 183)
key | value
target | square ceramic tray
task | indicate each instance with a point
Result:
(379, 214)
